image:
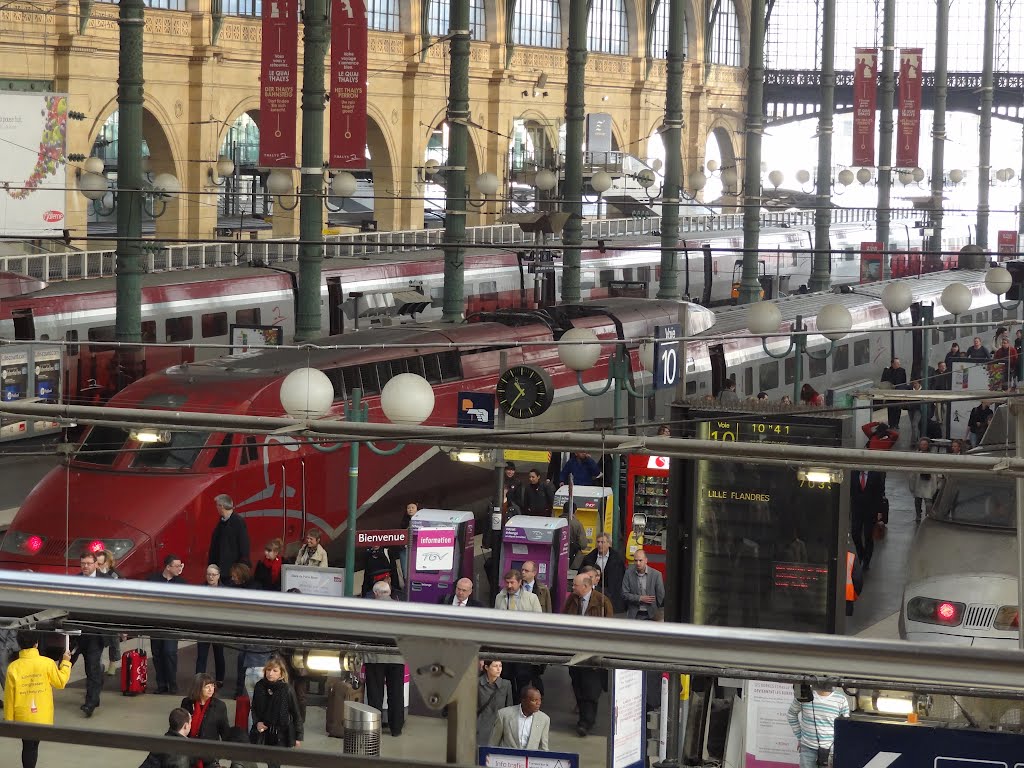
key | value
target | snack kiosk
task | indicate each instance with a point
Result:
(647, 496)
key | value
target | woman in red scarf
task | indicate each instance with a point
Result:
(209, 716)
(268, 570)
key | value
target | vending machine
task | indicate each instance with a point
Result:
(441, 553)
(647, 505)
(545, 541)
(594, 508)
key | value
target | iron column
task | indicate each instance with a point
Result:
(668, 285)
(985, 126)
(885, 98)
(572, 186)
(939, 121)
(128, 315)
(821, 267)
(455, 175)
(311, 183)
(750, 286)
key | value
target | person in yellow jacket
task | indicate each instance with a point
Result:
(28, 689)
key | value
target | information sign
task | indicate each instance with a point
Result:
(770, 742)
(398, 537)
(312, 580)
(1007, 241)
(435, 549)
(629, 728)
(666, 355)
(501, 757)
(476, 409)
(862, 743)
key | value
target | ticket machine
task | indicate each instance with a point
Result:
(440, 553)
(594, 509)
(545, 541)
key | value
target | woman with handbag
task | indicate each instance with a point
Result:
(275, 710)
(493, 693)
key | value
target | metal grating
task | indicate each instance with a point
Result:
(979, 616)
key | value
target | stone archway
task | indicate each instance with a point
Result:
(387, 192)
(724, 179)
(432, 185)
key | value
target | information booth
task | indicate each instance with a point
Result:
(594, 509)
(647, 497)
(545, 541)
(441, 553)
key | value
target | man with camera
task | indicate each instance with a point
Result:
(812, 716)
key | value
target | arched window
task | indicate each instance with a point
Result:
(383, 15)
(537, 23)
(659, 32)
(606, 28)
(725, 34)
(437, 19)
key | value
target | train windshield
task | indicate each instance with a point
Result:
(102, 445)
(972, 501)
(179, 452)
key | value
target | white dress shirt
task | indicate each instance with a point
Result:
(585, 602)
(602, 562)
(525, 724)
(461, 603)
(528, 585)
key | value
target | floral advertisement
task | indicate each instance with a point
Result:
(33, 129)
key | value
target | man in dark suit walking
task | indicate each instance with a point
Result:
(90, 646)
(867, 494)
(613, 568)
(463, 595)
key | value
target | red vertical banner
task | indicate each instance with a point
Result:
(908, 127)
(1007, 241)
(865, 100)
(870, 262)
(348, 84)
(279, 83)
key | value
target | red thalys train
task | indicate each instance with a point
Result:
(144, 502)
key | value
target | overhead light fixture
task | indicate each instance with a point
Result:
(819, 475)
(323, 661)
(893, 705)
(150, 435)
(469, 455)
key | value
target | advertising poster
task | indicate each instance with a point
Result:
(629, 726)
(870, 261)
(279, 83)
(348, 84)
(770, 742)
(1007, 241)
(865, 98)
(908, 128)
(246, 337)
(312, 580)
(435, 549)
(33, 129)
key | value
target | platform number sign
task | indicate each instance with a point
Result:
(667, 354)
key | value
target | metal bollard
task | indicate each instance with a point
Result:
(362, 730)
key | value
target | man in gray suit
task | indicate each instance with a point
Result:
(522, 726)
(643, 589)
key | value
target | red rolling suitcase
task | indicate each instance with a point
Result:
(242, 713)
(134, 671)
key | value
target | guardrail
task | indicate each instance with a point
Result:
(78, 265)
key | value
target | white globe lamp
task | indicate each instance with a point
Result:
(279, 182)
(998, 280)
(579, 349)
(803, 176)
(863, 175)
(697, 181)
(897, 297)
(487, 183)
(776, 178)
(846, 177)
(407, 398)
(343, 184)
(763, 318)
(956, 176)
(646, 178)
(834, 321)
(166, 184)
(306, 393)
(545, 180)
(225, 166)
(956, 298)
(92, 185)
(93, 165)
(601, 182)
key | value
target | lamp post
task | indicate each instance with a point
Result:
(408, 398)
(833, 322)
(579, 350)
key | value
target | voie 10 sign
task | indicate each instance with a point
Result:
(666, 355)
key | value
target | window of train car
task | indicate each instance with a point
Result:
(789, 368)
(179, 453)
(768, 376)
(250, 451)
(949, 333)
(588, 280)
(384, 372)
(149, 332)
(817, 366)
(178, 329)
(248, 316)
(997, 315)
(862, 352)
(337, 379)
(368, 375)
(101, 445)
(981, 323)
(988, 502)
(841, 358)
(222, 456)
(450, 365)
(351, 377)
(71, 336)
(214, 324)
(748, 381)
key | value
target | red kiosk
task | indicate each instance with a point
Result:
(647, 507)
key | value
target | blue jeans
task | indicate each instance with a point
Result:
(808, 757)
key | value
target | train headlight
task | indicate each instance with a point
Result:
(929, 611)
(117, 547)
(20, 543)
(1008, 619)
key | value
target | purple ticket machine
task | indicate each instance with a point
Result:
(440, 553)
(545, 540)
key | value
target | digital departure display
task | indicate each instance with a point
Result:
(764, 540)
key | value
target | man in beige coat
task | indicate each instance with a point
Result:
(522, 726)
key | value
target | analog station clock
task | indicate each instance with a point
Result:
(524, 391)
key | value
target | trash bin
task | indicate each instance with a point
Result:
(362, 730)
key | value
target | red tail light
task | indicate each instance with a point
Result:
(931, 611)
(96, 546)
(33, 544)
(946, 612)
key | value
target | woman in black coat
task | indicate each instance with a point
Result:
(209, 716)
(276, 721)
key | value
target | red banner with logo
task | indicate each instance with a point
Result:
(908, 126)
(870, 261)
(348, 84)
(865, 100)
(279, 83)
(1007, 241)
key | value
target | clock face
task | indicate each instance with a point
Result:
(524, 391)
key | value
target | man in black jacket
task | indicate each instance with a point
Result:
(538, 496)
(896, 375)
(229, 543)
(179, 722)
(613, 568)
(165, 650)
(867, 500)
(463, 595)
(90, 646)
